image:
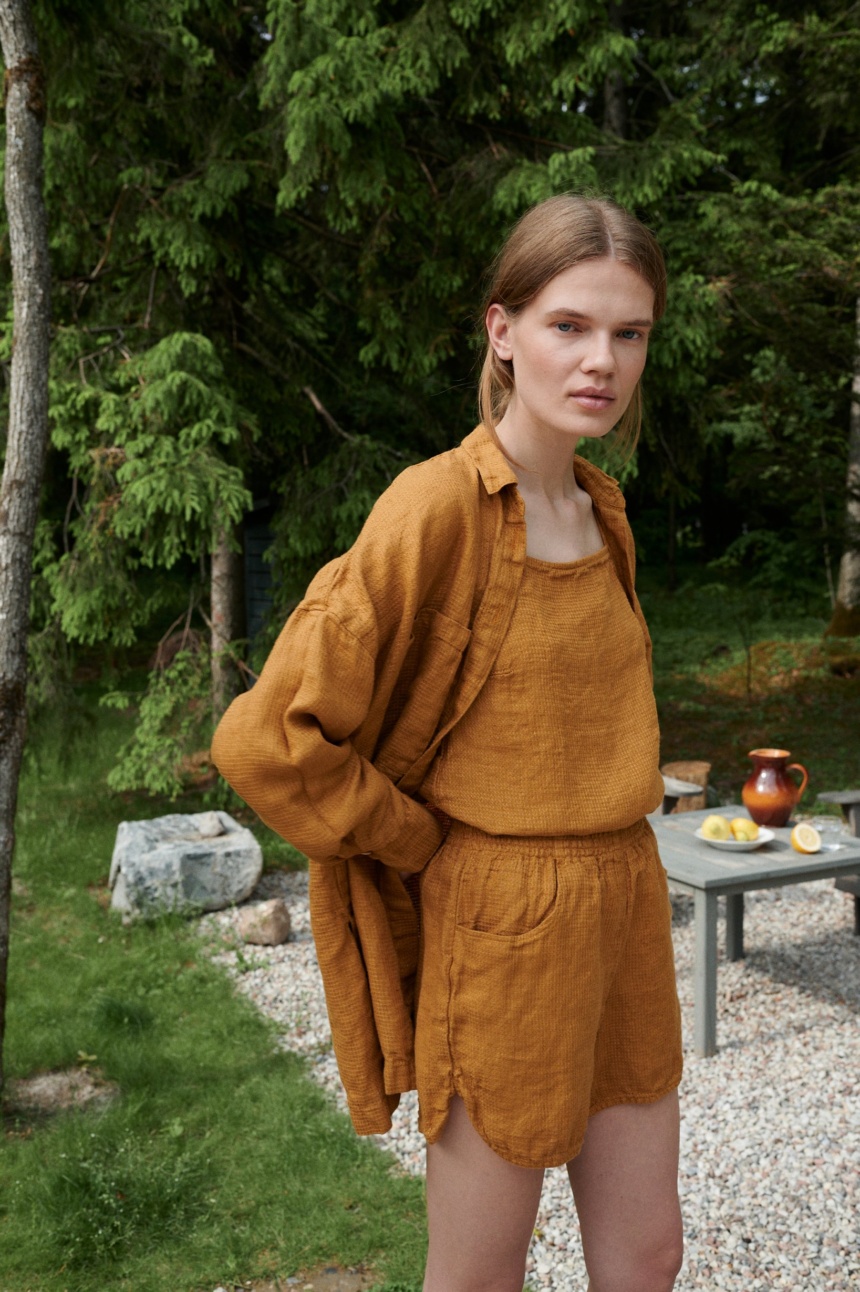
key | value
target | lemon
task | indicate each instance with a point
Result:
(716, 827)
(805, 838)
(744, 829)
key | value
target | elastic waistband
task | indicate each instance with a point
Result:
(601, 844)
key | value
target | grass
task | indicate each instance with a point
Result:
(220, 1161)
(735, 672)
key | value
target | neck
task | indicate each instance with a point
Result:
(543, 461)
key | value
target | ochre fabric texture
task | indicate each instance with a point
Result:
(563, 738)
(547, 986)
(547, 982)
(382, 659)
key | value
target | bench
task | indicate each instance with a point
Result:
(849, 801)
(674, 789)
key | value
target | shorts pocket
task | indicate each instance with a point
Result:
(523, 1013)
(507, 897)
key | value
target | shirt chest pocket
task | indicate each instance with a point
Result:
(425, 682)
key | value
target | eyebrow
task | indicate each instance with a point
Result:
(577, 314)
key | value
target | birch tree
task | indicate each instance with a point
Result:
(28, 417)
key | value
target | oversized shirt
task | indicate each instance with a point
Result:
(389, 648)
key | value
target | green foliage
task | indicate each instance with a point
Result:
(174, 717)
(787, 450)
(150, 481)
(170, 422)
(269, 232)
(425, 128)
(738, 668)
(325, 507)
(734, 141)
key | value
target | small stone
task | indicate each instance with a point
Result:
(208, 824)
(265, 924)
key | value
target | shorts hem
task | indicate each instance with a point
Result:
(432, 1135)
(438, 1123)
(616, 1101)
(472, 1106)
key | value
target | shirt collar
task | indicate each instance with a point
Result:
(496, 471)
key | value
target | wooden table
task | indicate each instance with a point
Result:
(708, 873)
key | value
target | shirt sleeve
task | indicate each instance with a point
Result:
(286, 747)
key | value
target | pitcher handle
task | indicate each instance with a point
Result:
(798, 767)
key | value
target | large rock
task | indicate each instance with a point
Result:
(198, 862)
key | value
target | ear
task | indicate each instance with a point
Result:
(498, 323)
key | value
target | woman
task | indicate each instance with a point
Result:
(465, 698)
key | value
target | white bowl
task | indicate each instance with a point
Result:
(738, 845)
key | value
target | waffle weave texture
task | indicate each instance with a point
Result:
(563, 738)
(547, 986)
(383, 658)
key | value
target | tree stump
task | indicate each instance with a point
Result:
(697, 773)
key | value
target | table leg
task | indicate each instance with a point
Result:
(705, 975)
(734, 926)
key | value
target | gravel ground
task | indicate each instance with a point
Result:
(770, 1149)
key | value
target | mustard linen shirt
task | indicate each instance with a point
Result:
(386, 653)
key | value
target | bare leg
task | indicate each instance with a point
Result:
(625, 1184)
(481, 1212)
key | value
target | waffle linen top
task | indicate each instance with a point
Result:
(566, 720)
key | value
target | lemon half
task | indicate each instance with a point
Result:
(805, 838)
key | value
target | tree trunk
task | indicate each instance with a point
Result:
(28, 417)
(615, 119)
(225, 595)
(846, 613)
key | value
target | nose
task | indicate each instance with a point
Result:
(599, 355)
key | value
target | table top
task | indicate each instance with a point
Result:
(694, 864)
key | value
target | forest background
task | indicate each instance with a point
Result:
(269, 227)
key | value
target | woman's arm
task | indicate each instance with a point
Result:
(287, 748)
(297, 747)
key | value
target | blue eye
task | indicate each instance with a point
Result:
(564, 327)
(630, 334)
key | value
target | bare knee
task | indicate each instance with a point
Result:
(661, 1266)
(653, 1266)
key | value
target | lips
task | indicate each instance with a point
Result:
(593, 397)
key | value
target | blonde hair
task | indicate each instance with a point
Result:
(550, 238)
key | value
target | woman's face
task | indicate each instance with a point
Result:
(578, 350)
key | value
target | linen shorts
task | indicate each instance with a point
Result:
(546, 988)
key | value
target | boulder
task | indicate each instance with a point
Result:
(265, 924)
(201, 861)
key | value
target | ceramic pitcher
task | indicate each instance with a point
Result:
(770, 795)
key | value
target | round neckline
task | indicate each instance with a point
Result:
(593, 558)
